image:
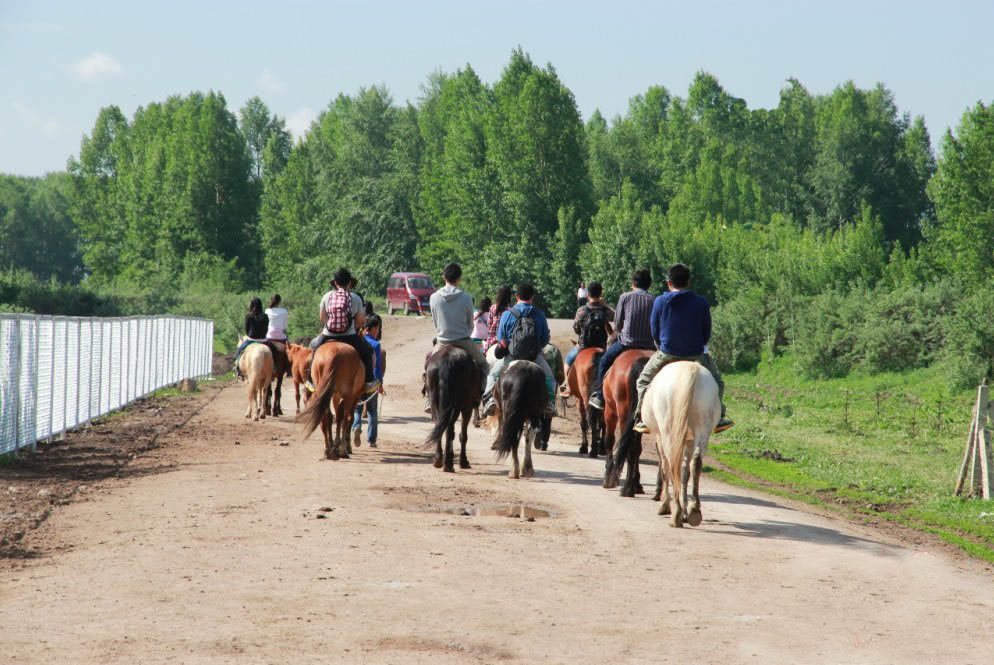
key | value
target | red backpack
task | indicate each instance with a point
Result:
(339, 310)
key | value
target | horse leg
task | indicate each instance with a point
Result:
(327, 428)
(531, 434)
(344, 421)
(251, 401)
(277, 407)
(438, 455)
(296, 393)
(659, 483)
(450, 456)
(632, 485)
(664, 506)
(463, 438)
(676, 477)
(269, 392)
(611, 473)
(694, 518)
(581, 408)
(515, 471)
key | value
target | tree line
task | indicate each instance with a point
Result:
(778, 211)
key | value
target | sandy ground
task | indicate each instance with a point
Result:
(215, 549)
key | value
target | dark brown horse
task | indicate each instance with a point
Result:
(281, 364)
(581, 377)
(453, 384)
(619, 396)
(521, 396)
(338, 378)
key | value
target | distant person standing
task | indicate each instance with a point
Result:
(581, 295)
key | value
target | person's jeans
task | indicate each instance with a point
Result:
(573, 353)
(610, 355)
(371, 412)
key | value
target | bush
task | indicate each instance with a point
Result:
(903, 327)
(968, 352)
(827, 335)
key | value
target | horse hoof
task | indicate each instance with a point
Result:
(437, 464)
(528, 473)
(627, 492)
(665, 509)
(639, 489)
(656, 496)
(464, 465)
(583, 450)
(450, 469)
(694, 518)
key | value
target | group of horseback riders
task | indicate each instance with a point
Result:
(676, 324)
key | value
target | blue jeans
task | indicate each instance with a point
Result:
(571, 356)
(610, 355)
(371, 410)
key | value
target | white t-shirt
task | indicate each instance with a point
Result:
(356, 308)
(581, 293)
(481, 325)
(278, 319)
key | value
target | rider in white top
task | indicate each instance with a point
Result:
(279, 317)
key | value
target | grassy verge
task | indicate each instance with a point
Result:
(887, 445)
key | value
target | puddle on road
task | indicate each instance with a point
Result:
(516, 510)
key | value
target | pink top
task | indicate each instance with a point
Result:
(481, 325)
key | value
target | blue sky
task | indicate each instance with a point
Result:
(60, 62)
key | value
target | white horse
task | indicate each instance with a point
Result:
(681, 407)
(256, 365)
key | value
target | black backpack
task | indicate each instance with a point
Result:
(524, 338)
(594, 332)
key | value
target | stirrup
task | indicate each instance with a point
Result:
(723, 424)
(308, 386)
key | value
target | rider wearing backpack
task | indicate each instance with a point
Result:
(524, 332)
(592, 322)
(342, 315)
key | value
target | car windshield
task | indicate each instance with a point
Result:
(419, 283)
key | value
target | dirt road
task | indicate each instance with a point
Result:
(216, 550)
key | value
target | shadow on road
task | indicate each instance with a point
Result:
(791, 531)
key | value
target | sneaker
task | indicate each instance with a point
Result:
(489, 409)
(308, 386)
(640, 427)
(723, 424)
(564, 391)
(597, 402)
(372, 444)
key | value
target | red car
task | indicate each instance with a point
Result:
(410, 292)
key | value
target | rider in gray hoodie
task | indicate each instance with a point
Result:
(452, 314)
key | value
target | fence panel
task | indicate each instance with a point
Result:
(57, 373)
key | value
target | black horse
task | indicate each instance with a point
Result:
(453, 384)
(521, 396)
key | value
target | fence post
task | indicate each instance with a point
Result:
(65, 380)
(79, 344)
(100, 369)
(51, 386)
(35, 353)
(17, 386)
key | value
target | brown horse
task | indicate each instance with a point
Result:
(298, 356)
(256, 364)
(581, 377)
(619, 396)
(282, 368)
(338, 377)
(453, 385)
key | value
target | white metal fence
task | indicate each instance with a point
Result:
(59, 372)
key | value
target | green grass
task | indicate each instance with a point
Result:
(888, 445)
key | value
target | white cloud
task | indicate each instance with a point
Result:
(300, 121)
(96, 66)
(32, 119)
(269, 83)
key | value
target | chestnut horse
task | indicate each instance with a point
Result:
(256, 364)
(619, 395)
(298, 355)
(521, 397)
(453, 384)
(338, 378)
(681, 407)
(581, 377)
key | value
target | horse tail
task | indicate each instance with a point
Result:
(516, 408)
(448, 399)
(624, 444)
(320, 401)
(678, 416)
